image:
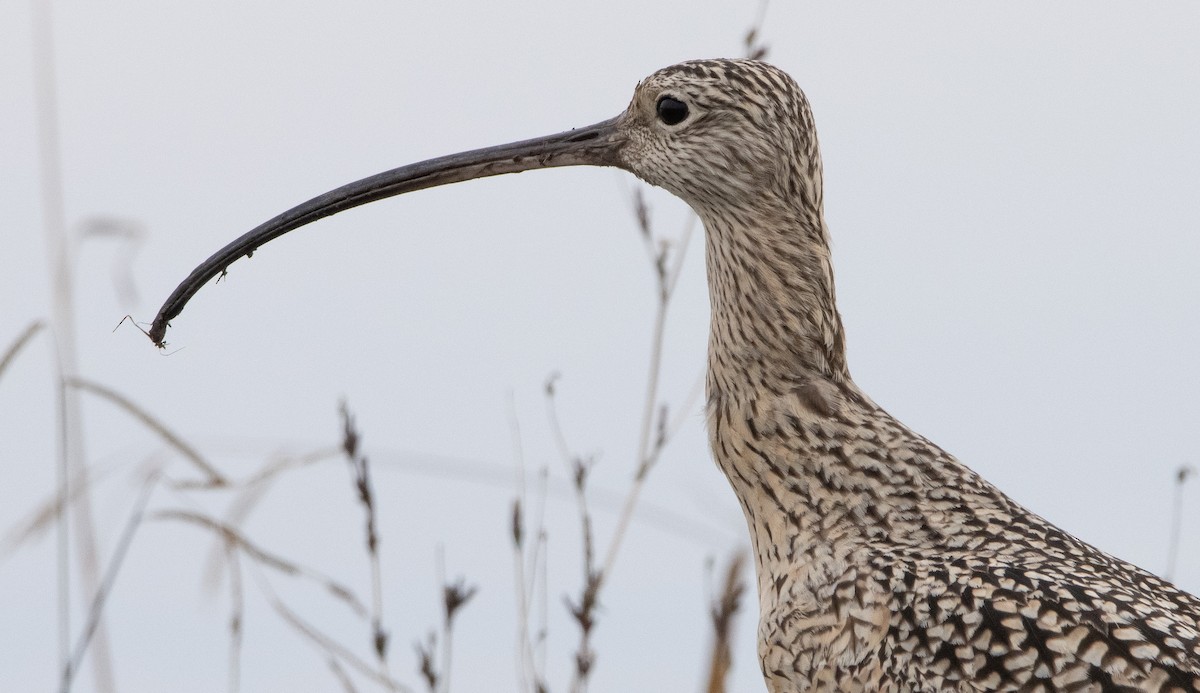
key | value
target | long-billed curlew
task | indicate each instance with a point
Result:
(884, 564)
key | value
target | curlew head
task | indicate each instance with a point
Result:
(723, 135)
(729, 137)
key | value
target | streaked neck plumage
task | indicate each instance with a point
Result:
(775, 323)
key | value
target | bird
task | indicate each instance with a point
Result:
(883, 563)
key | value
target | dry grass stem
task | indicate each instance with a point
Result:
(722, 611)
(526, 562)
(250, 492)
(426, 666)
(237, 611)
(130, 233)
(96, 610)
(1181, 476)
(43, 517)
(455, 595)
(649, 450)
(583, 609)
(228, 534)
(19, 343)
(340, 674)
(657, 428)
(755, 49)
(360, 469)
(78, 526)
(330, 647)
(214, 478)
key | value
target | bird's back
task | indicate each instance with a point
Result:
(886, 564)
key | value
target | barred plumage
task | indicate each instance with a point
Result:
(883, 563)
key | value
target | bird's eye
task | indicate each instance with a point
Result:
(672, 111)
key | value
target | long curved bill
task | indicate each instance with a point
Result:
(595, 145)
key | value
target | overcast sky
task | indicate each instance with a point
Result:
(1011, 190)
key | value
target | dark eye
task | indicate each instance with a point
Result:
(671, 111)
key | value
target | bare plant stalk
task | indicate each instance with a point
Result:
(19, 343)
(251, 491)
(583, 611)
(361, 471)
(47, 513)
(542, 571)
(656, 431)
(1181, 477)
(524, 644)
(722, 611)
(426, 666)
(237, 610)
(263, 557)
(649, 449)
(340, 674)
(529, 677)
(454, 596)
(215, 478)
(62, 321)
(538, 577)
(755, 50)
(96, 612)
(330, 647)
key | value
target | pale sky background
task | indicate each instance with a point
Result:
(1012, 192)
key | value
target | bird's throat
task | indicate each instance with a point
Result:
(774, 315)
